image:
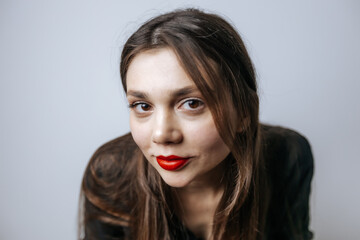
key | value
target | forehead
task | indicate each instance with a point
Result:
(156, 69)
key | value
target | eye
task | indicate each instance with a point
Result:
(192, 104)
(140, 107)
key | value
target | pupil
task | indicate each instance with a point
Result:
(144, 107)
(193, 103)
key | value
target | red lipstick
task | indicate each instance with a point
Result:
(172, 162)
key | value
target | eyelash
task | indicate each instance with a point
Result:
(194, 100)
(200, 105)
(136, 104)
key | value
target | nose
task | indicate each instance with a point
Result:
(166, 129)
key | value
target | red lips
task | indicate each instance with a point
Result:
(172, 162)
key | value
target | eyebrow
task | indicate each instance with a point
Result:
(177, 93)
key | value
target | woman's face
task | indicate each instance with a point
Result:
(170, 120)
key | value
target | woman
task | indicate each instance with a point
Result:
(197, 164)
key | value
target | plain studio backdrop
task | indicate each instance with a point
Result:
(61, 98)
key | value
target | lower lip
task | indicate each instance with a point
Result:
(173, 164)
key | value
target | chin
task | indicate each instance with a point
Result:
(175, 182)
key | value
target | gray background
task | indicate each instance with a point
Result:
(60, 98)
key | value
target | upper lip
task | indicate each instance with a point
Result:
(171, 157)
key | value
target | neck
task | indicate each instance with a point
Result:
(212, 181)
(199, 200)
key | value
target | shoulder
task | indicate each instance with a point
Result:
(108, 188)
(280, 136)
(288, 160)
(110, 172)
(285, 146)
(289, 166)
(117, 153)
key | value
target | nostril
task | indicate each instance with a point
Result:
(172, 136)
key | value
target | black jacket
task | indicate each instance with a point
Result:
(289, 167)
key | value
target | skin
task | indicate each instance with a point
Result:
(169, 116)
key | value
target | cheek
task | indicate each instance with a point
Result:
(140, 133)
(208, 138)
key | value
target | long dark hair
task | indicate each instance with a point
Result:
(122, 189)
